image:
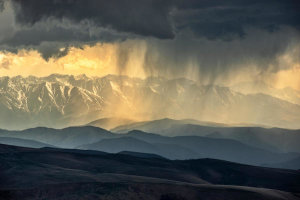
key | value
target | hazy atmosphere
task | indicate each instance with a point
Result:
(248, 47)
(150, 99)
(211, 42)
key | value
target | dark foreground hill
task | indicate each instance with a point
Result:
(50, 173)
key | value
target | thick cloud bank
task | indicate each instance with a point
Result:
(201, 37)
(90, 20)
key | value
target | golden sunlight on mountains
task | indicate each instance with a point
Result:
(129, 58)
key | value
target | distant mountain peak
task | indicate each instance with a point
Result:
(66, 100)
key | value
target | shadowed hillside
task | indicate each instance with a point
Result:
(50, 173)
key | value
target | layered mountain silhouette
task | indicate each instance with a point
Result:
(272, 139)
(23, 142)
(50, 173)
(67, 138)
(63, 100)
(179, 147)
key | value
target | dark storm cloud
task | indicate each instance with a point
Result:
(158, 18)
(228, 19)
(146, 18)
(49, 25)
(50, 36)
(41, 24)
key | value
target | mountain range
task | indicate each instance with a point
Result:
(272, 139)
(64, 100)
(235, 149)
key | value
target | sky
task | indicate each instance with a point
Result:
(210, 41)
